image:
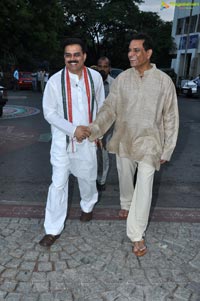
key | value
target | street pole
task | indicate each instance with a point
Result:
(187, 41)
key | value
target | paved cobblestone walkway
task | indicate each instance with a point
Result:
(93, 262)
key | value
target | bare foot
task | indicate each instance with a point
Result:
(123, 213)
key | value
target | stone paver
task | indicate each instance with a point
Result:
(93, 262)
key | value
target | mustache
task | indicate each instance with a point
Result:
(70, 62)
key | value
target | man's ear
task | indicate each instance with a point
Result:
(85, 56)
(149, 53)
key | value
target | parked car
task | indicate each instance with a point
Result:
(3, 98)
(25, 80)
(189, 88)
(114, 72)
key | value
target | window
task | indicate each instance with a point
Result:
(186, 24)
(198, 25)
(179, 26)
(193, 23)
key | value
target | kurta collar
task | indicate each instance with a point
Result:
(149, 71)
(75, 76)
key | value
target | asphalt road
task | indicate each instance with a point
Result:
(25, 171)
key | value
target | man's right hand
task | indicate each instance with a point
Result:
(82, 132)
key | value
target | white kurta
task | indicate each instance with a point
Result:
(80, 160)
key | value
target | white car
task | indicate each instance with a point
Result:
(189, 87)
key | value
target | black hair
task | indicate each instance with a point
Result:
(72, 41)
(103, 58)
(147, 44)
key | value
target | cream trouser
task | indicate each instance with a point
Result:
(141, 198)
(126, 170)
(85, 169)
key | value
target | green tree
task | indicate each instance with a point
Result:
(47, 24)
(107, 27)
(12, 14)
(32, 31)
(160, 31)
(120, 22)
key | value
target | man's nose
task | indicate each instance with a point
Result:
(132, 55)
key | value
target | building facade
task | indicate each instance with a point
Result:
(186, 34)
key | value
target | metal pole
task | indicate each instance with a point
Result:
(187, 41)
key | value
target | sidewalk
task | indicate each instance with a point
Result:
(93, 262)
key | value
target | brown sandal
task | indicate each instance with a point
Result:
(48, 240)
(139, 248)
(123, 213)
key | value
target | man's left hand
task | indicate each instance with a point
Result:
(82, 132)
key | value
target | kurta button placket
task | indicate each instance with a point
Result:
(80, 100)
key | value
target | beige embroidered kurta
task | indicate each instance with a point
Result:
(146, 117)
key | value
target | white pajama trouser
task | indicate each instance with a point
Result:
(85, 169)
(141, 199)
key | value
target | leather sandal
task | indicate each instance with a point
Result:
(139, 248)
(123, 213)
(48, 240)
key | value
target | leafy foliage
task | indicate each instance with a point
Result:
(108, 25)
(32, 31)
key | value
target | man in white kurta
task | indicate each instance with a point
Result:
(71, 151)
(143, 104)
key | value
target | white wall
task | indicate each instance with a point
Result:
(179, 62)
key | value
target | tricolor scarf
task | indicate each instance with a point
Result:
(67, 101)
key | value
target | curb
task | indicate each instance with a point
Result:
(156, 214)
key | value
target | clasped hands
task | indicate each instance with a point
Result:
(82, 132)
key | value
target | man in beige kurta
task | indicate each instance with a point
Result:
(143, 104)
